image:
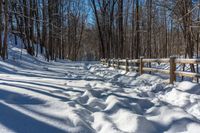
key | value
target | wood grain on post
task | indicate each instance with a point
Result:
(172, 69)
(141, 66)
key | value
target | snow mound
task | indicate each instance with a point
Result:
(83, 97)
(189, 87)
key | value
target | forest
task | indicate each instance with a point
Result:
(99, 66)
(94, 29)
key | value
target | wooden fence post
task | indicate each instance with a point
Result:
(113, 63)
(103, 61)
(118, 63)
(141, 65)
(126, 65)
(197, 72)
(172, 69)
(108, 62)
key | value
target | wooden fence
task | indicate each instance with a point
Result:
(139, 65)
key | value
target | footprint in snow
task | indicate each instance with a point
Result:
(88, 86)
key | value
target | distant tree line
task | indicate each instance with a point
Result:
(150, 28)
(53, 28)
(93, 29)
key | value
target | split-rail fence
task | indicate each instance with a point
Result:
(140, 66)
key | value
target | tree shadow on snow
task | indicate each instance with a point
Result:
(37, 91)
(63, 89)
(22, 123)
(177, 125)
(194, 90)
(18, 121)
(16, 98)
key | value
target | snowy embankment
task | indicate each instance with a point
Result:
(78, 97)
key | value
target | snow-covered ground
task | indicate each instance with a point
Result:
(86, 97)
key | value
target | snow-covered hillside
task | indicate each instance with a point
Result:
(85, 97)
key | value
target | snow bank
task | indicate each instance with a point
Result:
(78, 97)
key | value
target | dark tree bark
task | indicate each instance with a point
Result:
(5, 41)
(102, 48)
(1, 27)
(121, 30)
(137, 38)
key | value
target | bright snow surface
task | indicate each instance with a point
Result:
(84, 97)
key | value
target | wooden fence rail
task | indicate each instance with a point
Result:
(139, 65)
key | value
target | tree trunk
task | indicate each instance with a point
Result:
(5, 41)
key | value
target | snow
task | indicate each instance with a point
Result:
(86, 97)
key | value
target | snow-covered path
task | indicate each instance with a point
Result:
(75, 97)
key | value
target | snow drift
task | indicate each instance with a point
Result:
(78, 97)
